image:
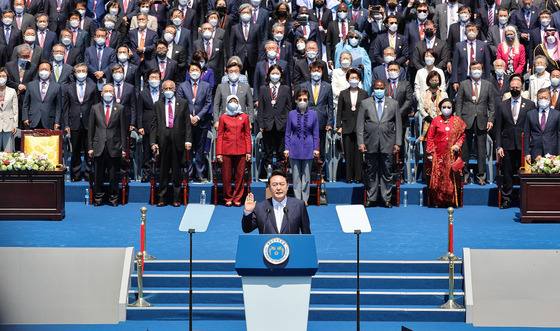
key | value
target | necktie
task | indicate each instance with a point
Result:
(392, 40)
(472, 52)
(28, 3)
(125, 5)
(43, 90)
(514, 110)
(81, 94)
(315, 93)
(41, 38)
(543, 120)
(108, 40)
(74, 36)
(490, 16)
(274, 92)
(304, 31)
(142, 42)
(7, 35)
(499, 2)
(208, 49)
(162, 69)
(245, 32)
(476, 91)
(343, 25)
(57, 72)
(254, 15)
(65, 55)
(170, 116)
(194, 90)
(421, 31)
(554, 97)
(379, 109)
(21, 71)
(500, 82)
(107, 114)
(233, 89)
(503, 34)
(18, 19)
(393, 88)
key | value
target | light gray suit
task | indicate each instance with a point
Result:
(27, 21)
(379, 136)
(440, 18)
(493, 39)
(244, 94)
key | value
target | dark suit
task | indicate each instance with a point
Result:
(324, 110)
(116, 39)
(132, 9)
(35, 7)
(42, 113)
(131, 76)
(461, 56)
(37, 55)
(145, 112)
(127, 99)
(312, 30)
(540, 142)
(261, 70)
(74, 56)
(439, 46)
(217, 59)
(51, 39)
(263, 218)
(185, 40)
(508, 136)
(302, 73)
(500, 91)
(346, 119)
(286, 52)
(333, 37)
(454, 38)
(201, 106)
(482, 19)
(382, 42)
(182, 57)
(325, 16)
(412, 35)
(58, 18)
(380, 72)
(535, 38)
(15, 38)
(272, 119)
(517, 18)
(247, 50)
(171, 69)
(108, 58)
(82, 39)
(75, 116)
(171, 142)
(132, 42)
(191, 19)
(108, 141)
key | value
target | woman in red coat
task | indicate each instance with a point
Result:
(512, 52)
(233, 149)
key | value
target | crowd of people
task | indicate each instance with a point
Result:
(449, 72)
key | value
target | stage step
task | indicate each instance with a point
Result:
(390, 291)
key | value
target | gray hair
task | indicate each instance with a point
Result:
(110, 17)
(244, 6)
(116, 66)
(498, 61)
(81, 64)
(142, 14)
(23, 47)
(269, 42)
(541, 57)
(278, 24)
(237, 60)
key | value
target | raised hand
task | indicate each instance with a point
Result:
(250, 203)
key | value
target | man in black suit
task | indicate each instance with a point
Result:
(302, 73)
(487, 16)
(170, 136)
(107, 143)
(72, 55)
(45, 38)
(525, 19)
(183, 36)
(214, 50)
(430, 42)
(80, 37)
(35, 6)
(262, 68)
(42, 105)
(390, 39)
(285, 48)
(77, 101)
(322, 15)
(538, 35)
(10, 35)
(541, 129)
(131, 74)
(245, 40)
(510, 123)
(141, 41)
(58, 14)
(21, 72)
(168, 68)
(458, 31)
(124, 95)
(337, 30)
(191, 13)
(36, 56)
(146, 100)
(177, 52)
(114, 37)
(499, 80)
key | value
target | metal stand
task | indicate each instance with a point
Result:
(451, 304)
(449, 256)
(147, 256)
(191, 231)
(140, 267)
(357, 232)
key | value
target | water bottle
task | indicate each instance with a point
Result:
(421, 203)
(413, 179)
(471, 177)
(203, 197)
(405, 203)
(86, 197)
(268, 171)
(67, 173)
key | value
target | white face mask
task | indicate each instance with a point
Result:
(388, 59)
(142, 25)
(183, 2)
(555, 81)
(316, 76)
(500, 72)
(544, 103)
(145, 10)
(255, 3)
(275, 78)
(82, 12)
(393, 75)
(66, 41)
(503, 20)
(429, 61)
(246, 17)
(471, 35)
(278, 37)
(177, 21)
(540, 69)
(81, 76)
(169, 94)
(30, 39)
(446, 111)
(311, 55)
(551, 39)
(234, 77)
(206, 34)
(393, 27)
(3, 81)
(110, 25)
(476, 74)
(118, 77)
(345, 63)
(422, 16)
(123, 57)
(154, 83)
(213, 22)
(354, 83)
(18, 9)
(114, 11)
(7, 21)
(302, 105)
(300, 47)
(194, 75)
(74, 24)
(232, 107)
(342, 15)
(271, 55)
(108, 97)
(354, 42)
(100, 41)
(168, 37)
(545, 22)
(44, 74)
(464, 17)
(42, 26)
(58, 57)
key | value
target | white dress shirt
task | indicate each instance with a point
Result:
(279, 212)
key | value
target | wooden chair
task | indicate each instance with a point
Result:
(316, 175)
(397, 179)
(218, 177)
(500, 175)
(44, 141)
(123, 177)
(154, 179)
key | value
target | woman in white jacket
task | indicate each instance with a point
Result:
(8, 113)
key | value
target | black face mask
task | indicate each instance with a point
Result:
(490, 2)
(221, 9)
(282, 13)
(356, 5)
(515, 93)
(392, 5)
(319, 4)
(161, 54)
(429, 33)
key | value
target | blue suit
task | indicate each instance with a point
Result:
(461, 57)
(412, 35)
(96, 13)
(263, 218)
(518, 19)
(538, 142)
(108, 58)
(51, 39)
(362, 18)
(260, 75)
(382, 42)
(262, 20)
(380, 72)
(48, 111)
(131, 41)
(314, 33)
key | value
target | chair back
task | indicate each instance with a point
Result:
(43, 141)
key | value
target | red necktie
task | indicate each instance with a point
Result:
(28, 3)
(107, 115)
(472, 52)
(208, 49)
(421, 31)
(500, 81)
(170, 116)
(343, 29)
(108, 38)
(194, 90)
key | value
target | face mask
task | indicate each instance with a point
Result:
(114, 11)
(393, 75)
(500, 72)
(154, 83)
(145, 10)
(109, 25)
(3, 81)
(108, 97)
(319, 4)
(82, 12)
(18, 9)
(233, 77)
(422, 16)
(429, 61)
(232, 107)
(123, 57)
(393, 27)
(316, 76)
(177, 21)
(378, 17)
(7, 21)
(246, 17)
(527, 6)
(429, 33)
(207, 34)
(551, 39)
(169, 94)
(434, 85)
(161, 54)
(202, 64)
(282, 13)
(515, 93)
(279, 37)
(503, 20)
(545, 22)
(540, 69)
(464, 17)
(183, 2)
(118, 77)
(66, 41)
(30, 39)
(300, 47)
(345, 63)
(213, 22)
(544, 103)
(142, 25)
(446, 111)
(388, 59)
(311, 55)
(81, 76)
(392, 5)
(302, 105)
(275, 78)
(354, 83)
(471, 35)
(271, 54)
(221, 9)
(58, 57)
(304, 16)
(194, 75)
(169, 37)
(100, 41)
(42, 26)
(555, 81)
(44, 74)
(476, 74)
(354, 42)
(342, 15)
(74, 24)
(379, 94)
(510, 37)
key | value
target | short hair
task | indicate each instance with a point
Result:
(278, 24)
(210, 13)
(393, 63)
(244, 6)
(429, 22)
(432, 52)
(142, 14)
(4, 70)
(40, 15)
(29, 28)
(272, 67)
(237, 63)
(7, 11)
(447, 100)
(233, 64)
(422, 4)
(555, 69)
(269, 42)
(23, 47)
(546, 11)
(541, 57)
(300, 92)
(463, 7)
(345, 53)
(470, 25)
(200, 55)
(389, 48)
(498, 60)
(116, 67)
(516, 76)
(353, 71)
(81, 64)
(111, 85)
(100, 29)
(194, 63)
(316, 65)
(121, 46)
(544, 90)
(162, 42)
(473, 63)
(503, 9)
(277, 173)
(74, 13)
(431, 75)
(392, 16)
(110, 17)
(152, 71)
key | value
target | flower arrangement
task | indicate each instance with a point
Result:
(549, 164)
(25, 162)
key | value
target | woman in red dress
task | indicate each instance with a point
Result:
(445, 138)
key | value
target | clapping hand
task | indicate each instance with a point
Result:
(250, 203)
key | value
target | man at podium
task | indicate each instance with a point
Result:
(280, 214)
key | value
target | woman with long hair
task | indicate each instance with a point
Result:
(512, 52)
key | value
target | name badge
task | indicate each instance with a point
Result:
(273, 102)
(473, 98)
(353, 108)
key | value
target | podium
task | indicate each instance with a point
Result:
(276, 275)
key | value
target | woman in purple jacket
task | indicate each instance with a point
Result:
(302, 143)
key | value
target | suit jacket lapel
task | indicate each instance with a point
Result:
(272, 216)
(285, 218)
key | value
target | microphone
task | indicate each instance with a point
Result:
(268, 210)
(287, 219)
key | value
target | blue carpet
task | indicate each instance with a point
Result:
(412, 233)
